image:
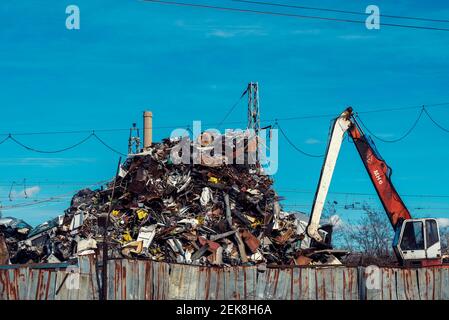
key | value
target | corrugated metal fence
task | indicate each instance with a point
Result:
(138, 280)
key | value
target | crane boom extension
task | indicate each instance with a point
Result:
(376, 167)
(341, 125)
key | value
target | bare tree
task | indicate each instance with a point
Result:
(444, 237)
(370, 235)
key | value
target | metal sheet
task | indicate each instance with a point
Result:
(139, 280)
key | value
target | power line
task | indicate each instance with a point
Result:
(361, 193)
(276, 121)
(108, 146)
(391, 109)
(23, 205)
(433, 105)
(93, 134)
(434, 122)
(361, 208)
(291, 15)
(73, 131)
(4, 140)
(415, 123)
(295, 147)
(52, 183)
(282, 190)
(64, 132)
(338, 10)
(413, 126)
(407, 133)
(232, 108)
(50, 199)
(52, 151)
(221, 123)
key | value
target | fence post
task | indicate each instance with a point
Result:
(361, 282)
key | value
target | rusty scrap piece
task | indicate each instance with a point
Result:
(250, 240)
(4, 254)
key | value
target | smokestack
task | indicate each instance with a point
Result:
(147, 129)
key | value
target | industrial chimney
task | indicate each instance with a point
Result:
(147, 129)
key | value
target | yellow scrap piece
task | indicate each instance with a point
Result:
(200, 219)
(256, 223)
(115, 213)
(155, 251)
(213, 179)
(142, 214)
(127, 236)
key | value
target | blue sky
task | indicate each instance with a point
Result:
(189, 64)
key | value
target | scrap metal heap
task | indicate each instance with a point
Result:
(203, 214)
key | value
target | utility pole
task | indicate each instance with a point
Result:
(254, 119)
(134, 140)
(253, 107)
(105, 221)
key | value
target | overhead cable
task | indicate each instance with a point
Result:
(415, 123)
(226, 122)
(291, 15)
(434, 122)
(337, 10)
(232, 108)
(51, 151)
(295, 147)
(108, 146)
(33, 149)
(361, 193)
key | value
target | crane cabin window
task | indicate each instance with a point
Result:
(431, 232)
(413, 237)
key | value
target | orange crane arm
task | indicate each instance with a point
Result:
(380, 174)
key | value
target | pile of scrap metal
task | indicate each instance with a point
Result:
(203, 214)
(20, 243)
(12, 231)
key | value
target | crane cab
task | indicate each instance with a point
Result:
(417, 242)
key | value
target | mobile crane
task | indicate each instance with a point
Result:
(416, 241)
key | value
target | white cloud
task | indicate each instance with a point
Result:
(443, 222)
(25, 193)
(313, 141)
(243, 31)
(354, 37)
(44, 162)
(222, 34)
(224, 31)
(307, 31)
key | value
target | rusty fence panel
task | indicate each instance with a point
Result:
(431, 283)
(48, 282)
(150, 280)
(131, 279)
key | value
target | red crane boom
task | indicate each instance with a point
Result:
(380, 175)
